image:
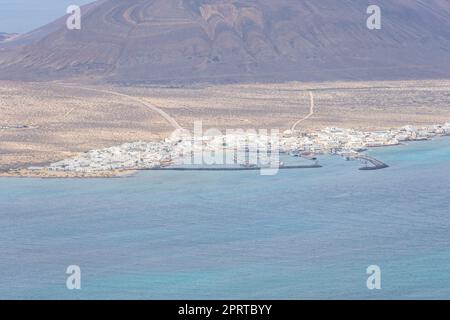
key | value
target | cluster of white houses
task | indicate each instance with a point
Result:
(133, 155)
(332, 140)
(145, 155)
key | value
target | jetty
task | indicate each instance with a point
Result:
(376, 164)
(313, 166)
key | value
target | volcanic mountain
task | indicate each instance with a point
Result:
(149, 41)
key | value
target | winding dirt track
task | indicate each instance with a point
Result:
(152, 106)
(310, 114)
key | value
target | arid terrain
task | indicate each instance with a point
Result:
(45, 122)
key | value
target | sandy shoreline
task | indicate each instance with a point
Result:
(48, 174)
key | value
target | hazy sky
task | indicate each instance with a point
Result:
(25, 15)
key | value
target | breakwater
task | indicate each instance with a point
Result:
(376, 164)
(314, 166)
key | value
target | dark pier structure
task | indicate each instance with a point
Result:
(244, 168)
(376, 164)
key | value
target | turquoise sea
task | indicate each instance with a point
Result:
(302, 234)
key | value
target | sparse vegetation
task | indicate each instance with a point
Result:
(65, 121)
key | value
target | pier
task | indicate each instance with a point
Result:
(377, 164)
(313, 166)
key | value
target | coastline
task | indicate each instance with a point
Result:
(120, 174)
(182, 148)
(48, 174)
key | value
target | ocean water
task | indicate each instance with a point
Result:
(302, 234)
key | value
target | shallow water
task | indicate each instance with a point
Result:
(219, 235)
